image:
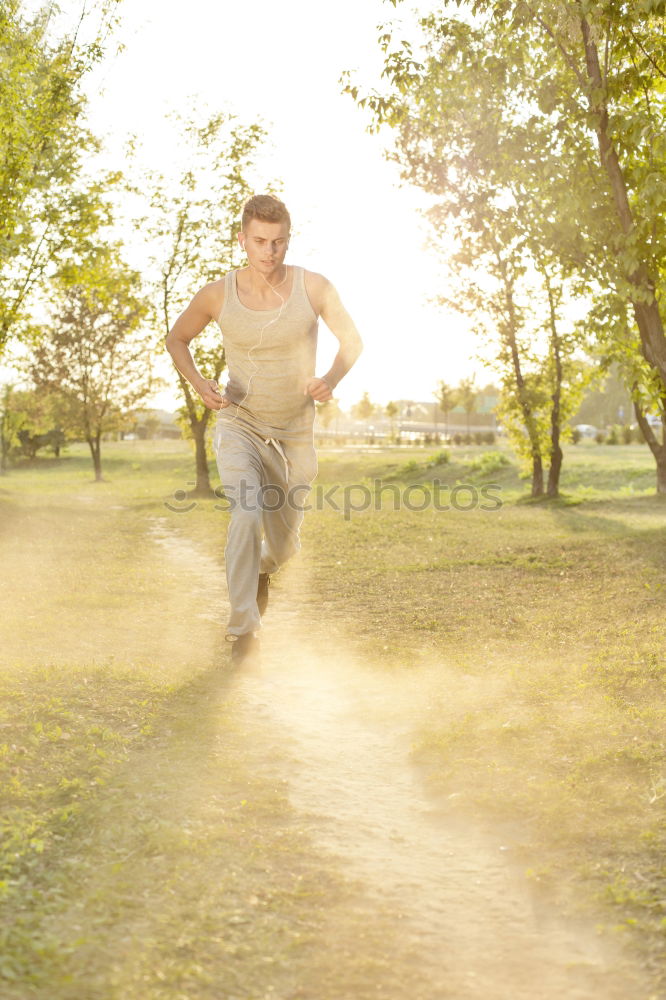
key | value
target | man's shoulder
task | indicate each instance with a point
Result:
(315, 279)
(316, 286)
(211, 296)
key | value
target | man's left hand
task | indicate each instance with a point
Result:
(319, 389)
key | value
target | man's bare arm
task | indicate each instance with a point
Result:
(203, 307)
(342, 327)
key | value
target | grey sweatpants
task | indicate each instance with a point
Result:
(267, 484)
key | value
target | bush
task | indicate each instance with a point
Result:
(576, 435)
(409, 467)
(457, 439)
(613, 437)
(600, 437)
(488, 462)
(439, 458)
(488, 437)
(478, 437)
(627, 434)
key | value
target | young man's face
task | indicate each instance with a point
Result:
(265, 244)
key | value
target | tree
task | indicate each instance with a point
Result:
(607, 400)
(12, 419)
(327, 412)
(47, 205)
(151, 426)
(31, 421)
(447, 398)
(619, 345)
(565, 97)
(364, 409)
(459, 137)
(392, 410)
(92, 354)
(467, 397)
(192, 223)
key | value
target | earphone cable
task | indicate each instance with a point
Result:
(256, 346)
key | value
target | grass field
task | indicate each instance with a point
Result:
(538, 626)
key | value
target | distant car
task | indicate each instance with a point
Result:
(653, 421)
(586, 430)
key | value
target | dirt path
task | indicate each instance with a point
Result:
(336, 734)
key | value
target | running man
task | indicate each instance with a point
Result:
(268, 313)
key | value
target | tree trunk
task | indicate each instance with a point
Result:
(526, 409)
(94, 443)
(537, 475)
(644, 304)
(661, 475)
(199, 426)
(658, 450)
(5, 446)
(202, 486)
(556, 455)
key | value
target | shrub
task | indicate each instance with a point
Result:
(488, 462)
(409, 467)
(457, 438)
(613, 437)
(439, 458)
(488, 437)
(576, 435)
(600, 437)
(627, 434)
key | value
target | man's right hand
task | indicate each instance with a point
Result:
(210, 393)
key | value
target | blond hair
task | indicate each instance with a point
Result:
(265, 208)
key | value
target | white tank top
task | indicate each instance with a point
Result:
(270, 355)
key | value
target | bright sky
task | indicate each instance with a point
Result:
(281, 62)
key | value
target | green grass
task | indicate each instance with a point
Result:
(538, 626)
(147, 850)
(552, 614)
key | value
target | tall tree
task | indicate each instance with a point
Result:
(327, 412)
(93, 354)
(447, 398)
(192, 223)
(34, 419)
(392, 410)
(562, 97)
(364, 409)
(467, 398)
(12, 419)
(48, 205)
